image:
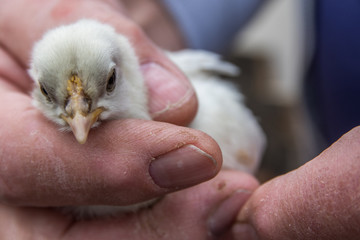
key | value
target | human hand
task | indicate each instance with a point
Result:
(320, 200)
(128, 158)
(124, 161)
(187, 214)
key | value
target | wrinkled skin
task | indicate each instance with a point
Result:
(42, 167)
(320, 200)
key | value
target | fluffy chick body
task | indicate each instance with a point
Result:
(92, 50)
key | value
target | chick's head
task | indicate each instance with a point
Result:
(85, 73)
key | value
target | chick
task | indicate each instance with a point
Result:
(86, 73)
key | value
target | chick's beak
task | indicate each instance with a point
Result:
(81, 123)
(79, 117)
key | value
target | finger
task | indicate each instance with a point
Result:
(11, 71)
(123, 162)
(181, 215)
(317, 201)
(32, 223)
(192, 208)
(171, 96)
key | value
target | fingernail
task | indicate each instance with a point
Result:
(225, 215)
(244, 231)
(164, 88)
(182, 167)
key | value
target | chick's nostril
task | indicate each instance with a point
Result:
(87, 102)
(69, 108)
(66, 103)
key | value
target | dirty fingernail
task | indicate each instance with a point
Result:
(225, 215)
(183, 167)
(164, 88)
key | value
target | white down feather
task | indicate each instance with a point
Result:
(222, 112)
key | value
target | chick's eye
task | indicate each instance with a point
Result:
(111, 83)
(44, 92)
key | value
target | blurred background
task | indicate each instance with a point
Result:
(299, 61)
(274, 52)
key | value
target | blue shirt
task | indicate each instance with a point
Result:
(333, 85)
(211, 24)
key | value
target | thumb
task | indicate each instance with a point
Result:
(317, 201)
(123, 162)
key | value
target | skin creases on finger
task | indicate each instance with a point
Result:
(191, 206)
(114, 162)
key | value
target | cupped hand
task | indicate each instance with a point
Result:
(124, 161)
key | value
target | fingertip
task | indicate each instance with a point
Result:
(225, 214)
(183, 167)
(171, 96)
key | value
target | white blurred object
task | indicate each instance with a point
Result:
(281, 34)
(222, 112)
